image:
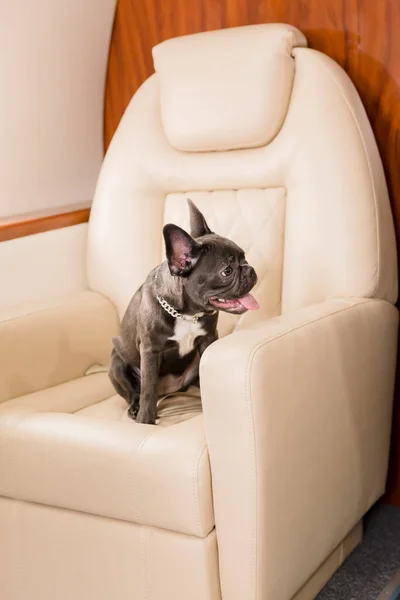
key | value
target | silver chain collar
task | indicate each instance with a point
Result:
(174, 313)
(171, 311)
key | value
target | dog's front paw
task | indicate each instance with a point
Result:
(132, 412)
(146, 417)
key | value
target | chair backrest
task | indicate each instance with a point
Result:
(271, 141)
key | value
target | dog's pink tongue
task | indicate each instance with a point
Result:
(249, 302)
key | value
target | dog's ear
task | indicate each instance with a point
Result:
(181, 249)
(198, 224)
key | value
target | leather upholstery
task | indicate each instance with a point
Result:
(147, 475)
(215, 71)
(338, 234)
(304, 407)
(68, 336)
(261, 497)
(318, 579)
(49, 553)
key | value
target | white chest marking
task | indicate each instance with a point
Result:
(185, 333)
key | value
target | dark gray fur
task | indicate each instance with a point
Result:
(145, 362)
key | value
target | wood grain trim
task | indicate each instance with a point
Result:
(10, 230)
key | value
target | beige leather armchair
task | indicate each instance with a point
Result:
(260, 495)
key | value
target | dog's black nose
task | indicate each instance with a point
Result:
(250, 274)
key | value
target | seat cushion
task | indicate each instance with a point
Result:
(73, 446)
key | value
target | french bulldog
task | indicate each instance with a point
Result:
(172, 318)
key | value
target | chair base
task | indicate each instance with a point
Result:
(324, 573)
(49, 553)
(44, 550)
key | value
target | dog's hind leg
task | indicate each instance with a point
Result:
(126, 381)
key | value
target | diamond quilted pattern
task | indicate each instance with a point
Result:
(255, 220)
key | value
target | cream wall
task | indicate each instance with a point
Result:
(53, 60)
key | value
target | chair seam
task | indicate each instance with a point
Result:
(143, 557)
(196, 493)
(51, 308)
(267, 341)
(252, 429)
(254, 507)
(20, 578)
(133, 477)
(11, 425)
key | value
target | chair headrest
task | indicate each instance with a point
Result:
(226, 89)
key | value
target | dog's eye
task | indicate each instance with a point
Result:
(226, 272)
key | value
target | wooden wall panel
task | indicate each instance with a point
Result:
(329, 25)
(361, 35)
(24, 225)
(378, 82)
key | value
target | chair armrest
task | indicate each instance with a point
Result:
(145, 474)
(47, 344)
(297, 417)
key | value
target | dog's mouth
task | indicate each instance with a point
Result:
(235, 305)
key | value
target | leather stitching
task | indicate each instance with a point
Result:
(11, 424)
(249, 402)
(20, 555)
(267, 341)
(273, 214)
(149, 579)
(254, 506)
(135, 485)
(53, 308)
(196, 494)
(143, 560)
(278, 309)
(251, 425)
